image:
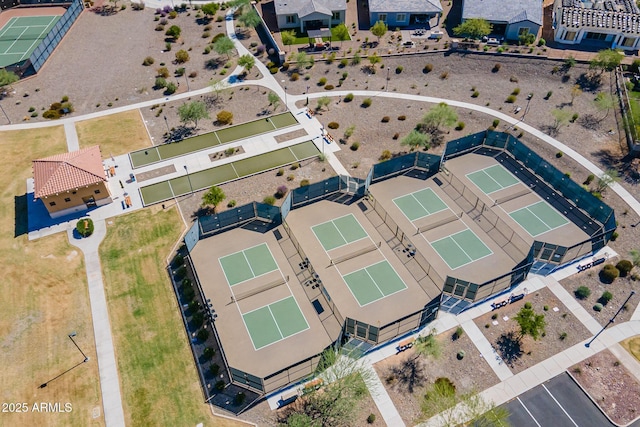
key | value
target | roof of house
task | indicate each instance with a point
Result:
(304, 8)
(504, 11)
(67, 171)
(618, 15)
(407, 6)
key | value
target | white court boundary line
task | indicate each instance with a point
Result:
(558, 403)
(528, 412)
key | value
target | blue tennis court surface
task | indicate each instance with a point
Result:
(248, 264)
(21, 35)
(420, 204)
(274, 322)
(461, 248)
(538, 218)
(492, 179)
(339, 232)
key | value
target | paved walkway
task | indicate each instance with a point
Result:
(72, 136)
(109, 380)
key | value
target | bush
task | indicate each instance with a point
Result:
(458, 333)
(371, 418)
(202, 335)
(624, 266)
(344, 62)
(171, 88)
(160, 83)
(163, 72)
(333, 125)
(475, 94)
(225, 117)
(460, 126)
(527, 305)
(214, 370)
(220, 385)
(294, 77)
(386, 155)
(366, 103)
(84, 226)
(280, 172)
(589, 179)
(291, 177)
(427, 68)
(510, 99)
(295, 166)
(609, 273)
(563, 336)
(304, 183)
(148, 61)
(281, 191)
(385, 119)
(182, 56)
(239, 399)
(180, 71)
(328, 87)
(574, 117)
(516, 91)
(208, 353)
(322, 81)
(495, 123)
(399, 69)
(269, 200)
(348, 97)
(396, 136)
(51, 114)
(444, 75)
(559, 154)
(597, 306)
(496, 68)
(514, 79)
(231, 204)
(460, 355)
(402, 118)
(582, 292)
(355, 146)
(605, 298)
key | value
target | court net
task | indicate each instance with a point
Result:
(271, 285)
(505, 199)
(431, 226)
(354, 254)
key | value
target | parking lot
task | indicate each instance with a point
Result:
(557, 403)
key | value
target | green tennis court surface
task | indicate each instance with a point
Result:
(274, 322)
(247, 264)
(420, 204)
(461, 248)
(339, 232)
(211, 139)
(538, 218)
(21, 35)
(181, 185)
(374, 282)
(492, 179)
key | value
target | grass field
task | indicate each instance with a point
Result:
(632, 345)
(116, 133)
(159, 381)
(43, 298)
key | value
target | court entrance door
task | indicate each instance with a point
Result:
(89, 201)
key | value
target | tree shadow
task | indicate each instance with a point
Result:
(609, 159)
(178, 134)
(509, 347)
(589, 82)
(409, 374)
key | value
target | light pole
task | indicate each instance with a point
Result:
(166, 122)
(71, 335)
(86, 359)
(613, 319)
(5, 114)
(188, 178)
(285, 96)
(386, 87)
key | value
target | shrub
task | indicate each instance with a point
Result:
(385, 119)
(163, 72)
(460, 355)
(51, 114)
(333, 125)
(231, 204)
(574, 117)
(597, 306)
(214, 369)
(366, 103)
(605, 298)
(510, 99)
(148, 61)
(396, 136)
(563, 336)
(273, 70)
(559, 154)
(495, 123)
(160, 83)
(496, 67)
(514, 79)
(475, 94)
(295, 166)
(460, 126)
(348, 97)
(328, 87)
(220, 385)
(582, 292)
(239, 399)
(548, 95)
(269, 200)
(609, 273)
(444, 75)
(494, 316)
(386, 155)
(291, 177)
(85, 227)
(371, 418)
(280, 172)
(304, 183)
(180, 71)
(171, 88)
(399, 69)
(527, 305)
(208, 353)
(182, 56)
(281, 191)
(458, 333)
(516, 91)
(322, 81)
(225, 117)
(355, 146)
(294, 77)
(427, 68)
(624, 266)
(589, 179)
(344, 62)
(202, 335)
(402, 118)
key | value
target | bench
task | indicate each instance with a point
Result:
(406, 344)
(288, 397)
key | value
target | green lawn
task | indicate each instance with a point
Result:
(634, 104)
(303, 38)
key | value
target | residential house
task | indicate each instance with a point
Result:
(403, 13)
(71, 182)
(510, 19)
(310, 14)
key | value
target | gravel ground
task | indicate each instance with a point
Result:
(610, 385)
(530, 352)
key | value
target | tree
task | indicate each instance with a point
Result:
(247, 62)
(250, 19)
(530, 323)
(475, 28)
(210, 9)
(174, 32)
(223, 46)
(526, 38)
(560, 118)
(288, 37)
(606, 60)
(192, 112)
(373, 60)
(213, 197)
(576, 91)
(323, 101)
(7, 78)
(604, 102)
(416, 139)
(303, 60)
(437, 119)
(428, 345)
(218, 86)
(379, 29)
(341, 32)
(606, 179)
(274, 100)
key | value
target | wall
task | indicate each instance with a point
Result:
(513, 29)
(75, 203)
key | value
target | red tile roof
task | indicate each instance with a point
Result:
(68, 171)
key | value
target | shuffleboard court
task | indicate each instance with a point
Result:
(538, 218)
(274, 322)
(420, 204)
(492, 179)
(21, 35)
(374, 282)
(339, 232)
(165, 190)
(248, 264)
(461, 248)
(202, 142)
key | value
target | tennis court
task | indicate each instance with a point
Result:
(493, 178)
(538, 218)
(420, 204)
(248, 264)
(461, 248)
(339, 232)
(274, 322)
(374, 282)
(21, 35)
(186, 184)
(202, 142)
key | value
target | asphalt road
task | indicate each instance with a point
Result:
(557, 403)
